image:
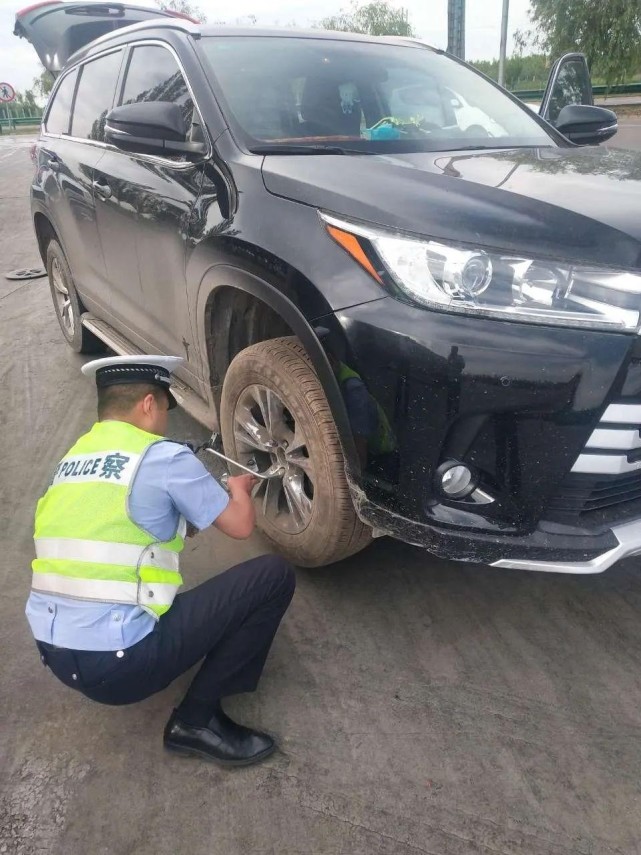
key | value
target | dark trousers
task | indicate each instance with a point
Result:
(230, 621)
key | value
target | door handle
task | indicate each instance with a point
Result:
(101, 189)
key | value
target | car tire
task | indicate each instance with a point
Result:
(271, 394)
(67, 304)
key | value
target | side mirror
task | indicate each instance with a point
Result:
(150, 127)
(586, 125)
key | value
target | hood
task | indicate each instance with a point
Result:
(575, 204)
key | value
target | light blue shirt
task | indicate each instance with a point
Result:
(170, 482)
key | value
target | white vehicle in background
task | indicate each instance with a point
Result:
(569, 84)
(440, 107)
(470, 118)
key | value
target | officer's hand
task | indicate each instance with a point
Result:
(239, 517)
(241, 484)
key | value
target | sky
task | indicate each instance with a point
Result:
(19, 64)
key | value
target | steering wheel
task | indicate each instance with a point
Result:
(477, 131)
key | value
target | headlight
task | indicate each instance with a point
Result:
(478, 281)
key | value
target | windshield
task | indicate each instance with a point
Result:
(361, 96)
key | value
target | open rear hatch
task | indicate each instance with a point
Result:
(57, 30)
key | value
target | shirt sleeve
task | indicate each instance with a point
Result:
(194, 492)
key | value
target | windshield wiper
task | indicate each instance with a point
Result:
(485, 147)
(287, 148)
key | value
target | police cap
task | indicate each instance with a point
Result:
(118, 370)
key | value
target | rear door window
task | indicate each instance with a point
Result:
(153, 74)
(95, 96)
(59, 113)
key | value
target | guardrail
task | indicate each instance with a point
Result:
(523, 94)
(20, 122)
(620, 89)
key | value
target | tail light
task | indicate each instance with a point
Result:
(36, 6)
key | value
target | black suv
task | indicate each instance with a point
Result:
(386, 274)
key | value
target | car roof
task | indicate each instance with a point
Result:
(203, 30)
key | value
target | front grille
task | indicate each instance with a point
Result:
(605, 481)
(582, 493)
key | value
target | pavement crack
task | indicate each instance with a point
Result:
(370, 830)
(293, 788)
(17, 288)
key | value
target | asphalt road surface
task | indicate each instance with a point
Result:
(629, 135)
(421, 706)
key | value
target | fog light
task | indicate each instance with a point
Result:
(455, 480)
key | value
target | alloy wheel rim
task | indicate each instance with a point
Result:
(267, 434)
(62, 298)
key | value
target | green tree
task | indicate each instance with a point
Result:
(521, 72)
(28, 101)
(378, 18)
(184, 7)
(43, 84)
(609, 33)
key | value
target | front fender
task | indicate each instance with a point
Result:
(228, 276)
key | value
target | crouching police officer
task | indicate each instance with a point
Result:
(104, 607)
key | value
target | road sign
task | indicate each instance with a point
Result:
(7, 93)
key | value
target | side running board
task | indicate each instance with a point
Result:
(189, 400)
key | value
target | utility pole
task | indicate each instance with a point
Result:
(503, 50)
(456, 28)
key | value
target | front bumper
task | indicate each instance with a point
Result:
(531, 409)
(561, 551)
(628, 537)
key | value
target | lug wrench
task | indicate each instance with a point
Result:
(274, 471)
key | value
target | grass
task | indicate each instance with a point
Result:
(630, 111)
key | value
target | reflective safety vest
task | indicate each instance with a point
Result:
(382, 441)
(87, 545)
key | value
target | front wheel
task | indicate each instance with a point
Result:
(274, 413)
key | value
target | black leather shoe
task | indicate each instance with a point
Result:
(223, 740)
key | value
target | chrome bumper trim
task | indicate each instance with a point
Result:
(615, 439)
(605, 464)
(628, 535)
(625, 414)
